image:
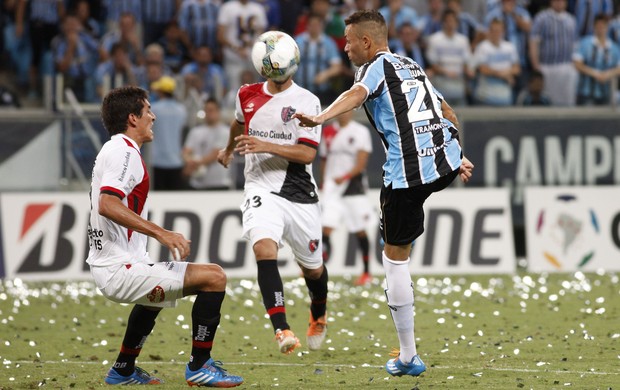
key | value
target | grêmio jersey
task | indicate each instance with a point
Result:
(405, 109)
(120, 171)
(268, 117)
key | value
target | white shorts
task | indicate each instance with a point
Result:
(266, 215)
(355, 210)
(158, 285)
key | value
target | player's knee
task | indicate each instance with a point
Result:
(265, 249)
(215, 277)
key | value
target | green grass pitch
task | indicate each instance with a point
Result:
(525, 331)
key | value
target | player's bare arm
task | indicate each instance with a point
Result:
(466, 168)
(360, 166)
(347, 101)
(111, 207)
(298, 153)
(225, 156)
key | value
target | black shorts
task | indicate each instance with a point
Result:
(402, 212)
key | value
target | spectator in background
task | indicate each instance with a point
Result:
(176, 52)
(497, 63)
(202, 74)
(166, 155)
(320, 59)
(201, 148)
(468, 25)
(552, 40)
(273, 12)
(89, 24)
(114, 10)
(476, 8)
(533, 94)
(396, 14)
(198, 21)
(127, 36)
(42, 19)
(585, 12)
(597, 60)
(154, 54)
(17, 47)
(117, 71)
(239, 23)
(406, 45)
(156, 14)
(334, 23)
(75, 57)
(448, 53)
(430, 22)
(517, 26)
(290, 12)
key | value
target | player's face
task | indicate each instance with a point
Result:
(144, 123)
(354, 47)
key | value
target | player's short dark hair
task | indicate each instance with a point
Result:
(118, 104)
(373, 21)
(365, 15)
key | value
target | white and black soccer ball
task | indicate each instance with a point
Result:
(275, 55)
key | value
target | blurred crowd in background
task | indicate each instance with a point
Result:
(477, 52)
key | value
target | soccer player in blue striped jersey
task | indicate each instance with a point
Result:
(419, 133)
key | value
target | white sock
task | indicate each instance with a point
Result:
(399, 293)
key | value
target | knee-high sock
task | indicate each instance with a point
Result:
(365, 248)
(139, 325)
(272, 290)
(399, 293)
(205, 319)
(318, 294)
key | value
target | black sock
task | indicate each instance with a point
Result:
(327, 248)
(139, 325)
(205, 319)
(272, 290)
(318, 294)
(365, 247)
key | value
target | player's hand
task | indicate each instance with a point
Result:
(246, 145)
(466, 170)
(177, 244)
(225, 157)
(306, 120)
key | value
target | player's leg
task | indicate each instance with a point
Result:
(327, 246)
(358, 215)
(139, 325)
(263, 225)
(270, 282)
(208, 283)
(402, 213)
(302, 235)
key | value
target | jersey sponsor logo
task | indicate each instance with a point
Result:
(270, 134)
(429, 128)
(413, 68)
(156, 295)
(249, 107)
(313, 245)
(287, 113)
(425, 152)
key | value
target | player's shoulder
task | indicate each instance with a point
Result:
(249, 90)
(119, 144)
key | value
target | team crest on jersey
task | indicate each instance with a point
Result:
(313, 245)
(287, 113)
(156, 295)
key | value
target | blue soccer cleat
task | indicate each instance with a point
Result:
(397, 368)
(139, 377)
(211, 374)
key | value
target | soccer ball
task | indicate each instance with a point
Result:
(275, 55)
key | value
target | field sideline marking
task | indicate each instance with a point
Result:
(527, 370)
